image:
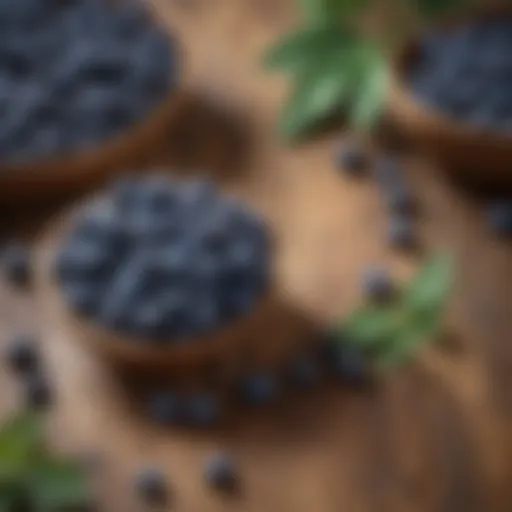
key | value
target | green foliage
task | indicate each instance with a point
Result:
(334, 68)
(29, 472)
(335, 71)
(392, 333)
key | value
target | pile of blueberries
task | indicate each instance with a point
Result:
(77, 71)
(467, 72)
(161, 260)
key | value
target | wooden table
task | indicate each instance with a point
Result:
(435, 436)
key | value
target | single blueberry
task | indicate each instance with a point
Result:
(38, 393)
(401, 233)
(203, 410)
(499, 217)
(393, 187)
(22, 354)
(151, 486)
(260, 388)
(15, 262)
(220, 472)
(304, 372)
(351, 158)
(165, 408)
(82, 298)
(378, 285)
(349, 366)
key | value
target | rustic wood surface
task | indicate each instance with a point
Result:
(435, 436)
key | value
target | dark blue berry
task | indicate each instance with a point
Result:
(499, 218)
(22, 354)
(38, 393)
(378, 285)
(165, 407)
(220, 472)
(351, 159)
(15, 261)
(349, 366)
(259, 389)
(401, 232)
(151, 486)
(304, 372)
(203, 410)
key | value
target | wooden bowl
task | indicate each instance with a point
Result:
(65, 174)
(483, 156)
(133, 354)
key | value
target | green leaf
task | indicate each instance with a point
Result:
(371, 89)
(435, 7)
(21, 439)
(315, 10)
(429, 289)
(401, 350)
(371, 326)
(304, 48)
(58, 484)
(316, 94)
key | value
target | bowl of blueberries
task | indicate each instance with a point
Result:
(85, 87)
(452, 95)
(156, 273)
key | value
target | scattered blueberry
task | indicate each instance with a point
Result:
(23, 354)
(260, 388)
(389, 177)
(151, 486)
(351, 159)
(38, 393)
(349, 366)
(220, 472)
(500, 218)
(203, 410)
(378, 285)
(401, 233)
(304, 372)
(165, 408)
(15, 261)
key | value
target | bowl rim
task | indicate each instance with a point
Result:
(126, 349)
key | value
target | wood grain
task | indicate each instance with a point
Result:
(435, 436)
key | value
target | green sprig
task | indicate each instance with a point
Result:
(28, 471)
(390, 334)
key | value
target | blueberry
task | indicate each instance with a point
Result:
(203, 410)
(15, 260)
(23, 354)
(401, 233)
(151, 486)
(38, 393)
(499, 218)
(352, 159)
(259, 389)
(378, 285)
(220, 472)
(350, 366)
(82, 298)
(304, 372)
(165, 408)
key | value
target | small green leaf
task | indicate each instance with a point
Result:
(21, 439)
(315, 95)
(435, 7)
(328, 9)
(56, 484)
(429, 289)
(304, 48)
(370, 92)
(371, 326)
(401, 350)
